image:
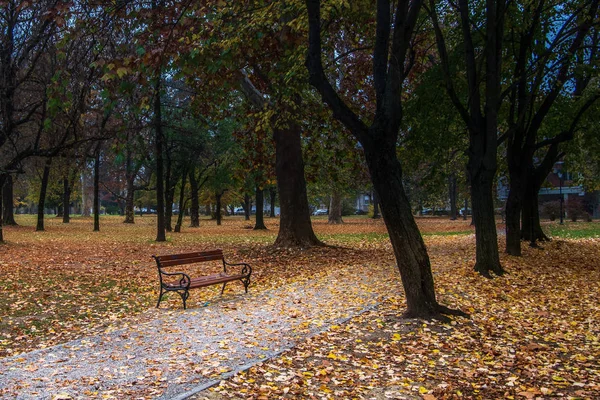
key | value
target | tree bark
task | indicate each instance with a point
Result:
(218, 216)
(181, 202)
(169, 195)
(531, 226)
(66, 200)
(129, 201)
(273, 196)
(409, 248)
(295, 227)
(195, 206)
(159, 144)
(97, 189)
(8, 214)
(486, 237)
(260, 202)
(42, 199)
(2, 182)
(335, 209)
(247, 207)
(376, 214)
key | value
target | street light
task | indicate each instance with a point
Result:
(560, 180)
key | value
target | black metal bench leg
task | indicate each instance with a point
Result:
(184, 296)
(160, 297)
(223, 288)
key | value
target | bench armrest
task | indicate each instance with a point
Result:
(246, 268)
(184, 281)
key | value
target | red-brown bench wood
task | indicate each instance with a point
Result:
(181, 282)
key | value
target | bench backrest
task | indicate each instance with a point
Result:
(188, 258)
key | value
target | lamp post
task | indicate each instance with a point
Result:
(560, 180)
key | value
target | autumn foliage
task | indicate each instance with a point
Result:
(533, 333)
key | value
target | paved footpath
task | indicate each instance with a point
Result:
(178, 353)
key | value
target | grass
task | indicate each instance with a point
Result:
(574, 230)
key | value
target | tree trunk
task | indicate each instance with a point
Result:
(531, 227)
(66, 201)
(260, 202)
(2, 182)
(181, 203)
(160, 188)
(169, 196)
(273, 196)
(247, 207)
(42, 199)
(195, 206)
(453, 194)
(409, 248)
(85, 203)
(295, 229)
(486, 237)
(513, 223)
(335, 209)
(376, 214)
(129, 201)
(218, 215)
(130, 195)
(97, 190)
(8, 214)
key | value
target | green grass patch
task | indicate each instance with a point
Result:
(450, 233)
(575, 230)
(350, 238)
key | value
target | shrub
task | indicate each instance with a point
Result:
(551, 209)
(576, 209)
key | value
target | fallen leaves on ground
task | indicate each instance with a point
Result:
(533, 333)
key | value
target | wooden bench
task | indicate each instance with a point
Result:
(181, 282)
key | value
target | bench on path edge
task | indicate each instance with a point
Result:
(181, 282)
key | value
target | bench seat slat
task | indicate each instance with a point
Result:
(184, 282)
(190, 260)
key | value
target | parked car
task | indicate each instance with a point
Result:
(239, 211)
(462, 211)
(360, 212)
(320, 212)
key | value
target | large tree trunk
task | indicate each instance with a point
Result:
(66, 201)
(181, 203)
(486, 237)
(129, 201)
(513, 223)
(160, 188)
(247, 207)
(335, 208)
(195, 206)
(8, 215)
(169, 196)
(260, 202)
(97, 190)
(514, 203)
(376, 214)
(273, 196)
(42, 198)
(2, 182)
(85, 198)
(218, 215)
(531, 227)
(452, 188)
(409, 248)
(295, 228)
